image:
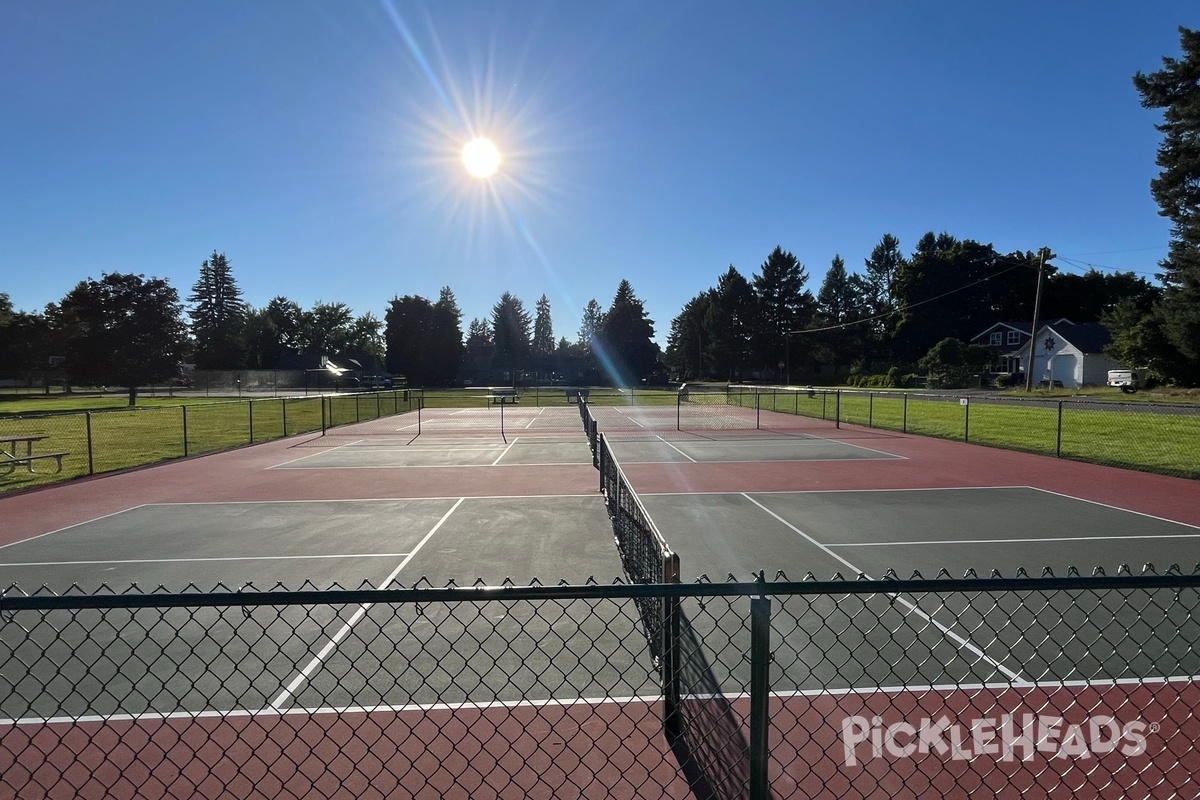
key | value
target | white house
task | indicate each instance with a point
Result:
(1071, 353)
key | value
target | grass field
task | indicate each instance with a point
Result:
(1140, 436)
(101, 434)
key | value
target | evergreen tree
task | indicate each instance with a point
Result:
(784, 305)
(510, 335)
(729, 326)
(543, 337)
(445, 340)
(624, 343)
(882, 267)
(408, 321)
(480, 349)
(842, 300)
(593, 315)
(1176, 90)
(218, 316)
(686, 342)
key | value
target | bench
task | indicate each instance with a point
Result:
(503, 396)
(8, 464)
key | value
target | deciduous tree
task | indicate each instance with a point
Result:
(124, 330)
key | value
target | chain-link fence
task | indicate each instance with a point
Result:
(1154, 437)
(994, 687)
(36, 449)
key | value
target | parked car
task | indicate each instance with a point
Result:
(1127, 380)
(377, 382)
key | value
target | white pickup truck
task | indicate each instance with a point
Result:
(1127, 380)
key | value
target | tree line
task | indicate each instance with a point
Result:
(898, 312)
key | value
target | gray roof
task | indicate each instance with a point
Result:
(1088, 337)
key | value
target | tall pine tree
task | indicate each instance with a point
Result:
(218, 316)
(1176, 90)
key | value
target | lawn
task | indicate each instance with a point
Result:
(1156, 438)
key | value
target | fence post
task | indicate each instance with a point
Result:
(1058, 435)
(760, 658)
(757, 411)
(87, 417)
(678, 407)
(321, 398)
(672, 656)
(357, 413)
(250, 406)
(966, 404)
(283, 407)
(185, 437)
(870, 409)
(837, 410)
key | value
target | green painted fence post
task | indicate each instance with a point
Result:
(91, 463)
(1058, 436)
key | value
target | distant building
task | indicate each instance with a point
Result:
(1070, 354)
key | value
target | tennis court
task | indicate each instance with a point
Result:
(559, 694)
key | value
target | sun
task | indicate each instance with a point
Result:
(481, 158)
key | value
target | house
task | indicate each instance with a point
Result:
(1009, 338)
(1070, 353)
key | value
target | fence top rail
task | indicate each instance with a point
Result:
(12, 600)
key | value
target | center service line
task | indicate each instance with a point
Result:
(965, 643)
(502, 455)
(320, 657)
(676, 449)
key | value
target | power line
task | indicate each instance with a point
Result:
(885, 315)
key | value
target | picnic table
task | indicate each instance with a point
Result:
(17, 451)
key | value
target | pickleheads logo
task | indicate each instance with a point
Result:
(1007, 737)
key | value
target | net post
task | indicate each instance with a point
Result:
(679, 409)
(250, 413)
(283, 410)
(502, 436)
(837, 410)
(321, 399)
(904, 423)
(757, 411)
(672, 656)
(760, 657)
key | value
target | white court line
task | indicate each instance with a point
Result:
(1115, 508)
(843, 491)
(320, 657)
(75, 525)
(192, 560)
(1038, 539)
(356, 500)
(965, 643)
(472, 705)
(503, 454)
(760, 461)
(490, 466)
(312, 455)
(379, 708)
(673, 447)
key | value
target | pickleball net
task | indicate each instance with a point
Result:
(705, 733)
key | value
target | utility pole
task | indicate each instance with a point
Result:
(1037, 308)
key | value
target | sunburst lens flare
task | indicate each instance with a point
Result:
(481, 158)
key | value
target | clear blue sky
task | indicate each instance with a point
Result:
(317, 143)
